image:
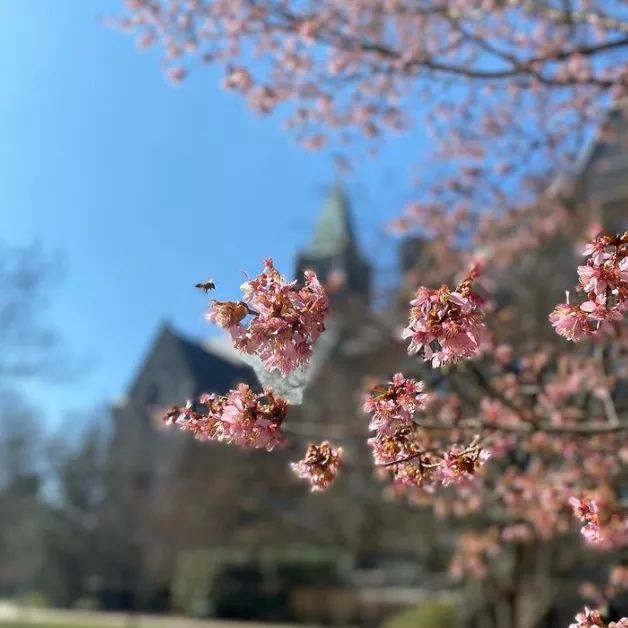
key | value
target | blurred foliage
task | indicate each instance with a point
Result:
(427, 615)
(36, 599)
(320, 605)
(191, 583)
(245, 585)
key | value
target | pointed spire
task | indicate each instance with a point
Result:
(166, 328)
(334, 233)
(334, 249)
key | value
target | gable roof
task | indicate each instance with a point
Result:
(590, 151)
(209, 371)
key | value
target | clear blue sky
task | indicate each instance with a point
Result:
(147, 189)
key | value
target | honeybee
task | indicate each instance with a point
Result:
(206, 286)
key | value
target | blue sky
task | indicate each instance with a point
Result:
(146, 189)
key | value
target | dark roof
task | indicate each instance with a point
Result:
(211, 372)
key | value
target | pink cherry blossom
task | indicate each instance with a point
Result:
(605, 526)
(593, 619)
(284, 320)
(176, 75)
(494, 146)
(388, 450)
(320, 465)
(604, 278)
(509, 130)
(571, 322)
(461, 464)
(395, 406)
(446, 326)
(241, 417)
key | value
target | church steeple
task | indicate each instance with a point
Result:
(334, 232)
(333, 249)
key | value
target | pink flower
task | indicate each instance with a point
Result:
(591, 532)
(495, 413)
(503, 354)
(461, 465)
(238, 78)
(320, 465)
(446, 326)
(571, 322)
(394, 407)
(228, 315)
(605, 279)
(389, 449)
(411, 466)
(176, 75)
(600, 312)
(587, 511)
(588, 619)
(241, 417)
(145, 39)
(583, 508)
(285, 320)
(598, 279)
(519, 532)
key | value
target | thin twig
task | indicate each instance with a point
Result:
(529, 428)
(607, 399)
(496, 394)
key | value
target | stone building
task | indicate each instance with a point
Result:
(168, 494)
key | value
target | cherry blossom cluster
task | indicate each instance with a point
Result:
(604, 281)
(345, 74)
(528, 79)
(446, 325)
(407, 463)
(606, 526)
(283, 319)
(240, 417)
(593, 619)
(529, 416)
(394, 407)
(399, 446)
(524, 408)
(320, 465)
(473, 552)
(587, 512)
(535, 495)
(461, 464)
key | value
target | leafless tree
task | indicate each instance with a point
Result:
(27, 341)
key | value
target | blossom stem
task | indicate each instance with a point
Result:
(607, 399)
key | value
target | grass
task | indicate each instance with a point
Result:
(13, 624)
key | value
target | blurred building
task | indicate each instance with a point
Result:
(334, 253)
(169, 495)
(175, 369)
(601, 180)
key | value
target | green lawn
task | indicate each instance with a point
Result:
(12, 624)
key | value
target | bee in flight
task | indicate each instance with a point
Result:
(206, 286)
